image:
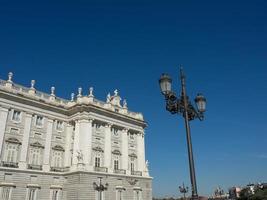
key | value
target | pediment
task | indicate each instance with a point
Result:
(13, 140)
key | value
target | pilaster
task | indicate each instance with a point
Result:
(107, 151)
(3, 120)
(25, 141)
(85, 141)
(47, 150)
(124, 146)
(140, 152)
(76, 148)
(67, 155)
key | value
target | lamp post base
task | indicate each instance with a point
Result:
(194, 197)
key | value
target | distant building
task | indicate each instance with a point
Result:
(78, 149)
(234, 192)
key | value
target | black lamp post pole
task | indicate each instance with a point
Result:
(182, 105)
(189, 142)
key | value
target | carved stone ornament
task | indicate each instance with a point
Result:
(132, 181)
(99, 149)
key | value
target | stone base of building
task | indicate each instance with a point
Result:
(78, 185)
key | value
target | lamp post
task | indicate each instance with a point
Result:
(100, 187)
(183, 190)
(182, 105)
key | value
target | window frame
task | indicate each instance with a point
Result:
(58, 194)
(32, 188)
(36, 121)
(10, 186)
(13, 114)
(14, 152)
(57, 127)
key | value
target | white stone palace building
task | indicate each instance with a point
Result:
(77, 149)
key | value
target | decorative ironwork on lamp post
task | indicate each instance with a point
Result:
(183, 190)
(182, 105)
(100, 187)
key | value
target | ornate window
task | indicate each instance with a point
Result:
(59, 126)
(36, 151)
(39, 122)
(116, 155)
(35, 156)
(120, 193)
(115, 131)
(32, 193)
(57, 157)
(97, 160)
(98, 155)
(16, 116)
(133, 158)
(55, 194)
(11, 152)
(137, 194)
(5, 192)
(132, 164)
(116, 163)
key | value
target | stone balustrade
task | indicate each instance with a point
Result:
(112, 103)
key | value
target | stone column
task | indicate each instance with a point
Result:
(47, 149)
(107, 151)
(124, 147)
(3, 120)
(85, 140)
(140, 152)
(67, 155)
(25, 141)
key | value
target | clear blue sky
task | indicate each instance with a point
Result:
(127, 45)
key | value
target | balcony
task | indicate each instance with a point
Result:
(35, 167)
(136, 173)
(119, 171)
(9, 164)
(101, 169)
(59, 169)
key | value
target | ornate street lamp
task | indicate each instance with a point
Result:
(182, 105)
(183, 190)
(100, 187)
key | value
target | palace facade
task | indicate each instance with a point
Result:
(77, 149)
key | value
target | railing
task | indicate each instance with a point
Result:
(119, 171)
(9, 164)
(136, 173)
(35, 167)
(101, 169)
(59, 169)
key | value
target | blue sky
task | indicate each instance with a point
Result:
(127, 45)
